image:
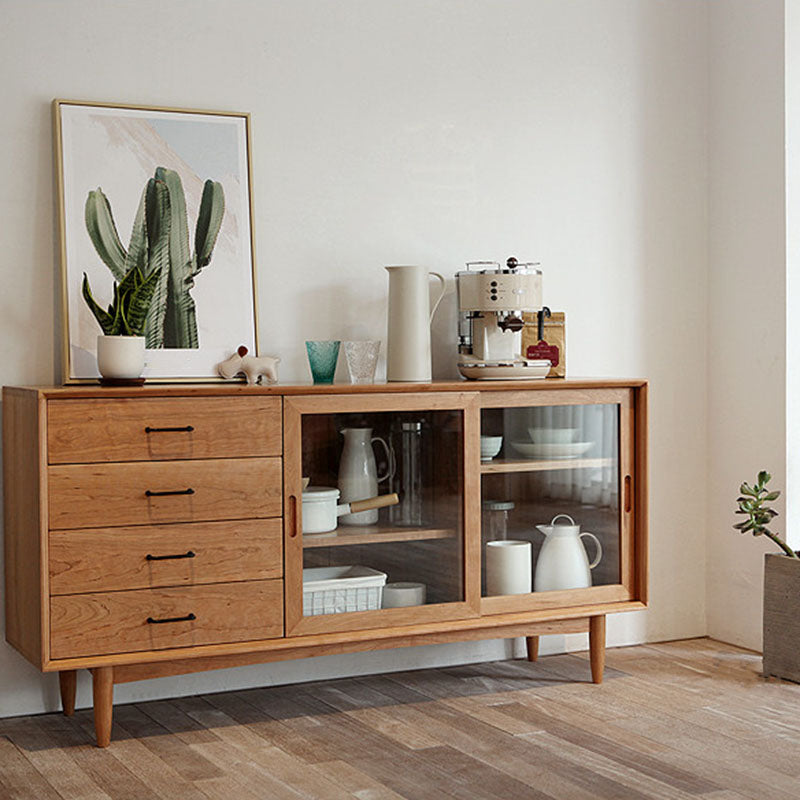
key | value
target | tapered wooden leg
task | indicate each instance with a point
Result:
(532, 643)
(597, 647)
(103, 696)
(68, 680)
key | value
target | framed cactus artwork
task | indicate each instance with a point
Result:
(163, 194)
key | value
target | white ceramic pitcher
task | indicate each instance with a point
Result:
(358, 473)
(562, 561)
(408, 348)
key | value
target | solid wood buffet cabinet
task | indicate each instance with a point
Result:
(158, 530)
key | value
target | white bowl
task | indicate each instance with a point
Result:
(490, 447)
(553, 435)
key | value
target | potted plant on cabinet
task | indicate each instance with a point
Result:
(781, 582)
(120, 348)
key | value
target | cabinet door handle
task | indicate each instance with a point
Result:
(628, 497)
(293, 520)
(190, 554)
(184, 429)
(149, 493)
(187, 618)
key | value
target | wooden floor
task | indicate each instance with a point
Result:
(689, 719)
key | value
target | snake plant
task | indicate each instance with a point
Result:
(127, 314)
(160, 244)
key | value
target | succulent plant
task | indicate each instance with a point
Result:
(160, 242)
(127, 314)
(752, 501)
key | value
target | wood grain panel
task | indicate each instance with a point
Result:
(229, 389)
(24, 514)
(116, 622)
(101, 495)
(642, 489)
(374, 534)
(109, 559)
(470, 628)
(546, 395)
(556, 599)
(503, 465)
(99, 430)
(160, 669)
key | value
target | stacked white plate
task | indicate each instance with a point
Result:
(551, 451)
(552, 443)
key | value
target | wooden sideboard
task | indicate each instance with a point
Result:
(157, 531)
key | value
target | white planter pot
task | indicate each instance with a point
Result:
(120, 356)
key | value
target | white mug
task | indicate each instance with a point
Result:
(508, 567)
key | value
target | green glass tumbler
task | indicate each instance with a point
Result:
(322, 357)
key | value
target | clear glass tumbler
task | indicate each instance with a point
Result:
(322, 358)
(362, 359)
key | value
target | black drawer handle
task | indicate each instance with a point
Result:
(190, 554)
(184, 429)
(149, 493)
(187, 618)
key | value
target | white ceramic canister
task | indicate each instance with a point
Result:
(408, 346)
(358, 474)
(403, 594)
(120, 356)
(508, 567)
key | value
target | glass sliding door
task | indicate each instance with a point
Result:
(403, 560)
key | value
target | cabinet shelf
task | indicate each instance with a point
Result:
(374, 534)
(544, 465)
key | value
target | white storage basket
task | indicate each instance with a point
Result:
(335, 590)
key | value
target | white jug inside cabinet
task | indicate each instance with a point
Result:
(358, 474)
(562, 561)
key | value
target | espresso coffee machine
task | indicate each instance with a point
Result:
(491, 301)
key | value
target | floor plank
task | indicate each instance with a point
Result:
(688, 720)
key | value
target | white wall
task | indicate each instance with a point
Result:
(747, 297)
(413, 131)
(792, 94)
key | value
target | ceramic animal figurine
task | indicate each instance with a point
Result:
(253, 367)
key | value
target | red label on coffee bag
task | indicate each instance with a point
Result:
(542, 351)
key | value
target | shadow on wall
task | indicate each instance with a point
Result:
(667, 323)
(444, 335)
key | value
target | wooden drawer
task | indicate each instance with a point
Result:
(117, 622)
(126, 429)
(108, 559)
(101, 495)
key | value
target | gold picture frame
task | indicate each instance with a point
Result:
(119, 146)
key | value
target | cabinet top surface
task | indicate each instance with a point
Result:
(229, 388)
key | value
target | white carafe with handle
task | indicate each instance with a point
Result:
(408, 347)
(562, 561)
(358, 473)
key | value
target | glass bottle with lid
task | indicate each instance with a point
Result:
(495, 519)
(408, 475)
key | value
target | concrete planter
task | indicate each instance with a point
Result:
(782, 617)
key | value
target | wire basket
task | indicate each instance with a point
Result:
(337, 590)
